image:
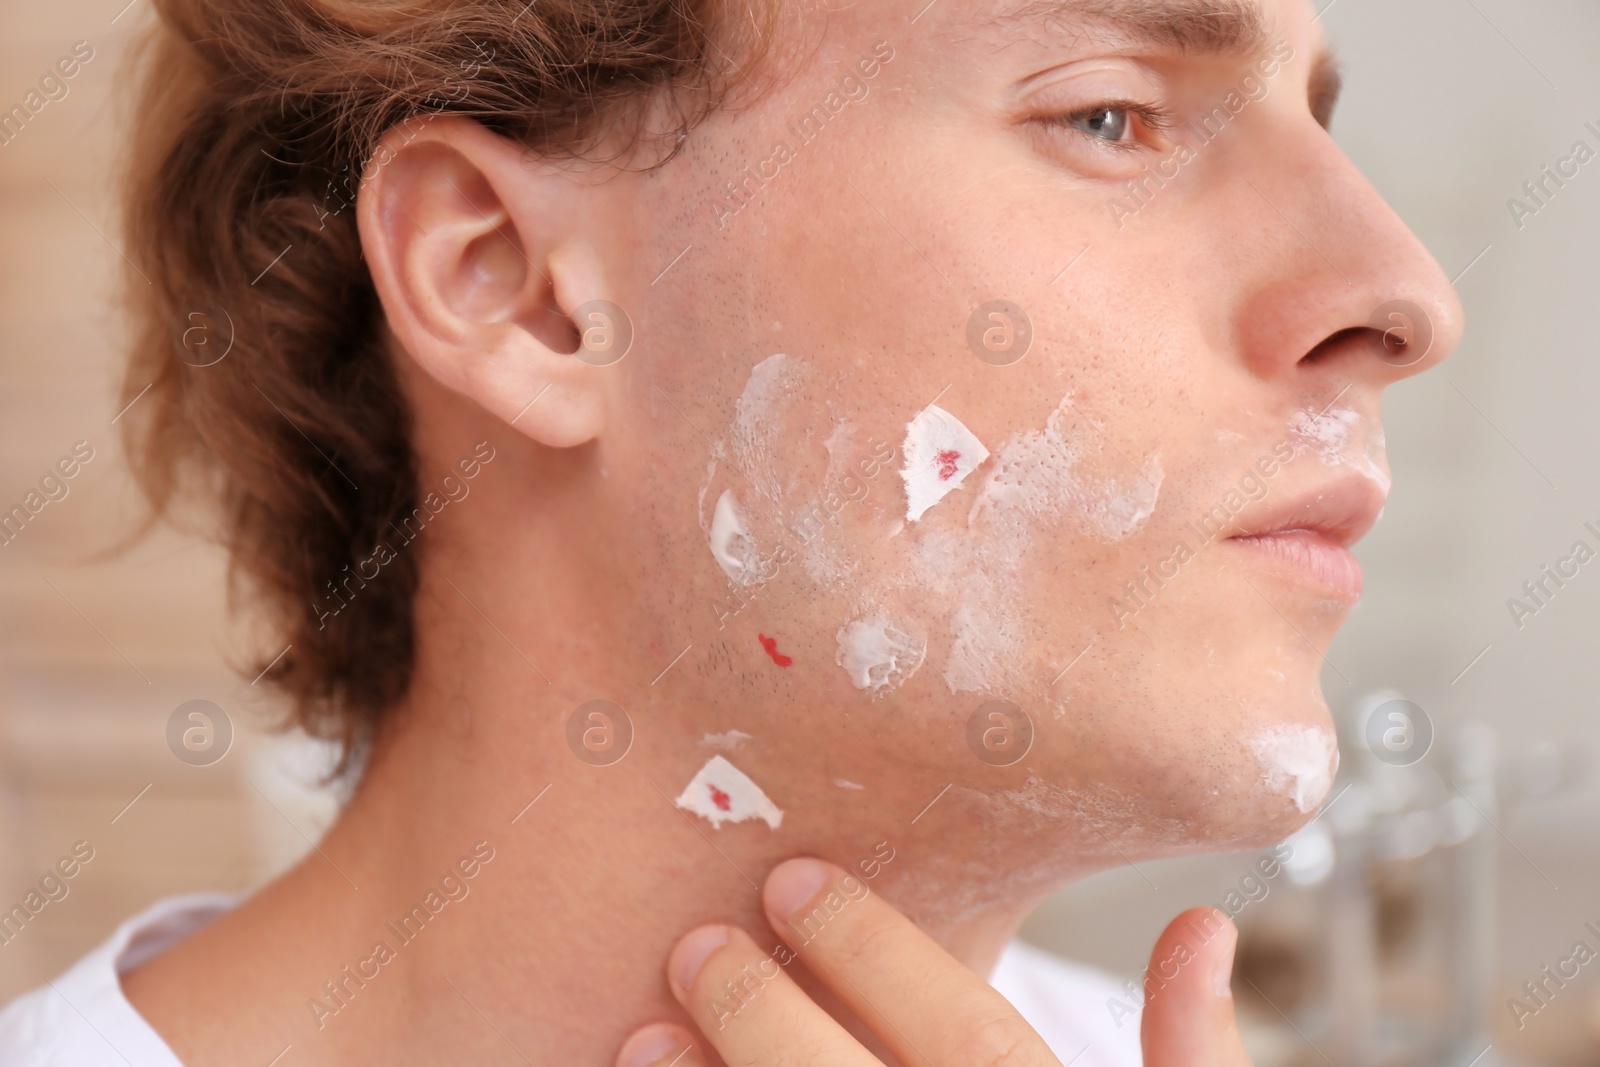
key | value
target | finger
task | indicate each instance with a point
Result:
(1188, 996)
(921, 1002)
(660, 1045)
(749, 1009)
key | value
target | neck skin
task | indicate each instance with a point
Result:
(558, 949)
(570, 922)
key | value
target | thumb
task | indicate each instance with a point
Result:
(1188, 1016)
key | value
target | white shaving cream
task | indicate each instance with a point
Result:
(729, 741)
(982, 641)
(877, 655)
(1060, 475)
(939, 454)
(1332, 436)
(1039, 474)
(723, 793)
(731, 544)
(1298, 761)
(1325, 432)
(756, 425)
(823, 553)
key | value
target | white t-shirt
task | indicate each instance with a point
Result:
(81, 1019)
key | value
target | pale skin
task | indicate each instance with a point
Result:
(1193, 336)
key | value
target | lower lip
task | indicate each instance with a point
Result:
(1309, 556)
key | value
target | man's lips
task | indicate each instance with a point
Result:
(1309, 556)
(1309, 536)
(1340, 511)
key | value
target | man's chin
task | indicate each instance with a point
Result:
(1263, 811)
(1240, 799)
(1272, 821)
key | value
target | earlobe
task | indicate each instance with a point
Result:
(480, 266)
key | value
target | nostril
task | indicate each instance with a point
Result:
(1398, 332)
(1334, 343)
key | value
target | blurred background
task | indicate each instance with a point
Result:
(1460, 857)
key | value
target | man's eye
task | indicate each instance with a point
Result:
(1106, 123)
(1120, 125)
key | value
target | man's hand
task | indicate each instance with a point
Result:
(927, 1008)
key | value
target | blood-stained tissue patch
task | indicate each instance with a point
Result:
(940, 452)
(723, 793)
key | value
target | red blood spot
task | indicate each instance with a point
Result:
(771, 645)
(720, 799)
(947, 461)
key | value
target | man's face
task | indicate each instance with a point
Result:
(932, 190)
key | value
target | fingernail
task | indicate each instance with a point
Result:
(691, 953)
(1222, 973)
(651, 1045)
(793, 883)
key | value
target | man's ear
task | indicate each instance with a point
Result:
(481, 263)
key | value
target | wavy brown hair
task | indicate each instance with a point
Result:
(252, 122)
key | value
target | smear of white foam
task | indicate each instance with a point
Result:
(723, 793)
(756, 427)
(1376, 467)
(1121, 510)
(838, 443)
(845, 783)
(825, 562)
(1039, 474)
(700, 497)
(982, 642)
(821, 552)
(1298, 761)
(1326, 433)
(939, 454)
(877, 655)
(1332, 435)
(731, 544)
(728, 741)
(1057, 476)
(1116, 818)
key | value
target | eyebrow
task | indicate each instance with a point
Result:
(1223, 27)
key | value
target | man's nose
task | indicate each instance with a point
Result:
(1337, 265)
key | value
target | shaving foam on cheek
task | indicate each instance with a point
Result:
(729, 740)
(757, 425)
(982, 643)
(723, 793)
(823, 554)
(1298, 761)
(731, 544)
(940, 452)
(877, 655)
(1058, 476)
(1053, 473)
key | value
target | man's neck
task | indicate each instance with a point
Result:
(487, 895)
